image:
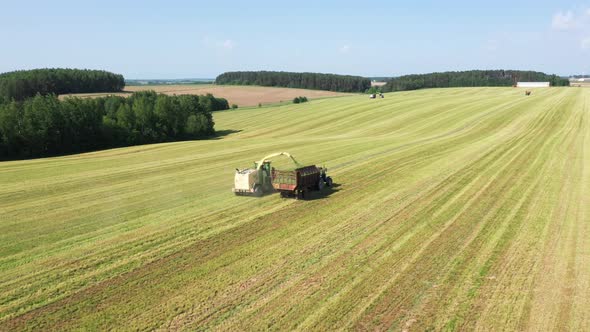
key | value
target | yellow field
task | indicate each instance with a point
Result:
(453, 209)
(239, 95)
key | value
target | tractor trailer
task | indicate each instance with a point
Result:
(299, 182)
(264, 178)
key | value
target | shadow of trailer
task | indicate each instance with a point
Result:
(300, 182)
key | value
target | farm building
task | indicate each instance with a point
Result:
(533, 84)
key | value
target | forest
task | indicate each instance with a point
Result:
(314, 81)
(44, 125)
(472, 78)
(21, 84)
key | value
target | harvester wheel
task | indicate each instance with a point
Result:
(257, 191)
(321, 184)
(329, 181)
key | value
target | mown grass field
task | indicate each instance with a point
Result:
(455, 209)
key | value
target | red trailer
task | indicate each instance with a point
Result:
(299, 182)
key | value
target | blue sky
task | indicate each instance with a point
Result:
(181, 39)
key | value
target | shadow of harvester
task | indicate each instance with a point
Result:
(310, 196)
(322, 194)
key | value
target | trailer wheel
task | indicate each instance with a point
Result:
(329, 181)
(299, 194)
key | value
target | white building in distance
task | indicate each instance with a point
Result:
(533, 84)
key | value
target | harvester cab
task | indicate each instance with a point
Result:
(264, 173)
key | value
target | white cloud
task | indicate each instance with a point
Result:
(564, 20)
(576, 23)
(345, 49)
(227, 44)
(224, 44)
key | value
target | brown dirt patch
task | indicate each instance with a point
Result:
(240, 95)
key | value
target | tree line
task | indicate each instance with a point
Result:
(314, 81)
(472, 78)
(45, 125)
(22, 84)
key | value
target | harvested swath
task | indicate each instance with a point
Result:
(455, 209)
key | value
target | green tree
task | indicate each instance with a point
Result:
(343, 83)
(11, 128)
(22, 84)
(196, 125)
(44, 125)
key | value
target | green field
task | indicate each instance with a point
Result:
(454, 209)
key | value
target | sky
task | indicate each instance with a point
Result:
(201, 39)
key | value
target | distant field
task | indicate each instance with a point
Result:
(454, 209)
(240, 95)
